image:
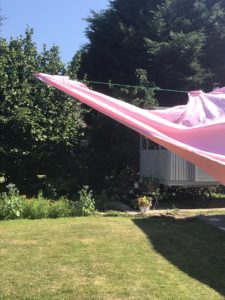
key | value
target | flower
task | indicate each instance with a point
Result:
(144, 201)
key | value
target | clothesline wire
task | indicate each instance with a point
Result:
(136, 86)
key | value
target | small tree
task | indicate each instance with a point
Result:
(40, 127)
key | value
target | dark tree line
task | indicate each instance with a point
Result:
(179, 43)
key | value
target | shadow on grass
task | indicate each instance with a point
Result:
(196, 248)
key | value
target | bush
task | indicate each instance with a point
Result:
(105, 201)
(43, 208)
(61, 208)
(36, 209)
(11, 203)
(86, 204)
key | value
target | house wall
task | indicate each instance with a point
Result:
(169, 168)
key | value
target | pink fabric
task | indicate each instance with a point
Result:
(193, 131)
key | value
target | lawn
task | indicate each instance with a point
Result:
(111, 258)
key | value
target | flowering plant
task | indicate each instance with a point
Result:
(144, 201)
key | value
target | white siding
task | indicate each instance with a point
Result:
(201, 176)
(171, 169)
(181, 169)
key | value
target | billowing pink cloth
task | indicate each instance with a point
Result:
(194, 131)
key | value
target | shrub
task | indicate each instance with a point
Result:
(36, 208)
(86, 204)
(11, 203)
(60, 208)
(106, 201)
(102, 200)
(43, 208)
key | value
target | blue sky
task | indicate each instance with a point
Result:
(54, 21)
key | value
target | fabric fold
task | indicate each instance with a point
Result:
(193, 131)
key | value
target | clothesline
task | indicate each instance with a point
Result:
(135, 86)
(192, 131)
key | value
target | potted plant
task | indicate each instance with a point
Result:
(144, 203)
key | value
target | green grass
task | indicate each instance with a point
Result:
(111, 258)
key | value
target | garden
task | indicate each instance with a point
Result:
(60, 248)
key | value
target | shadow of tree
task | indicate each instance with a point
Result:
(196, 248)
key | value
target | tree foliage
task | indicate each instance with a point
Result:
(40, 127)
(178, 44)
(174, 40)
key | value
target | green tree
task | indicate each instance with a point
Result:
(178, 44)
(40, 127)
(174, 40)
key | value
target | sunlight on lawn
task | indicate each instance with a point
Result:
(111, 258)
